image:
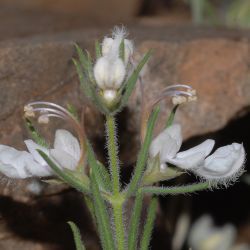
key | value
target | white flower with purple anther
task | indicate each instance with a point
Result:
(66, 152)
(224, 165)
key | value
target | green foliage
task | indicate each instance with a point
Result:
(238, 14)
(149, 225)
(77, 236)
(135, 222)
(101, 214)
(171, 117)
(81, 184)
(175, 190)
(99, 171)
(143, 154)
(34, 134)
(122, 50)
(234, 13)
(154, 173)
(203, 12)
(98, 50)
(130, 84)
(105, 181)
(85, 72)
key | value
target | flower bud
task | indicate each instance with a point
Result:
(109, 73)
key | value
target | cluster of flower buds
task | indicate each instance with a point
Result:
(110, 69)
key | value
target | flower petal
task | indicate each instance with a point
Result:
(204, 235)
(19, 164)
(64, 159)
(107, 45)
(32, 147)
(193, 157)
(167, 143)
(224, 164)
(66, 142)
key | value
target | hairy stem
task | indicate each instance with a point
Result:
(112, 153)
(119, 225)
(175, 190)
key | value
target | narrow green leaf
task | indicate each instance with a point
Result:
(185, 189)
(105, 181)
(96, 168)
(90, 69)
(102, 216)
(135, 222)
(143, 154)
(122, 50)
(71, 179)
(130, 84)
(85, 85)
(86, 63)
(170, 119)
(98, 50)
(149, 225)
(90, 205)
(77, 236)
(82, 57)
(34, 133)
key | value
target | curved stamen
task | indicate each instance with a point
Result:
(51, 104)
(178, 86)
(172, 91)
(50, 111)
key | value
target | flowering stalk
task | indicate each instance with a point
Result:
(109, 82)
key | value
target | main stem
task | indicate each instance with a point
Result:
(112, 153)
(117, 200)
(119, 227)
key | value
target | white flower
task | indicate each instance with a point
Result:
(205, 236)
(109, 73)
(22, 164)
(224, 164)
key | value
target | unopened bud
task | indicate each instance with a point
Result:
(109, 74)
